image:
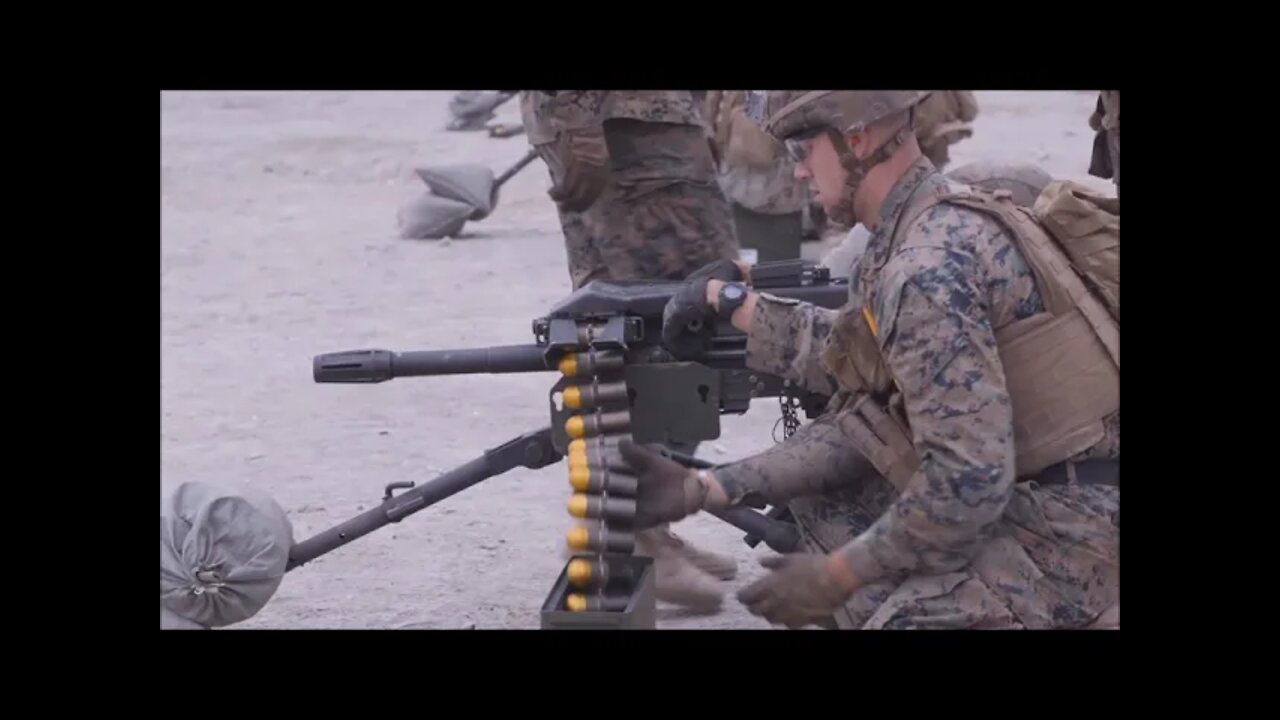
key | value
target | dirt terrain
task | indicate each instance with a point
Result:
(279, 242)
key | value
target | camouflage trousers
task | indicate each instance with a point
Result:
(661, 213)
(1053, 561)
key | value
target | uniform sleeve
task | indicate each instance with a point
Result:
(818, 458)
(940, 347)
(786, 339)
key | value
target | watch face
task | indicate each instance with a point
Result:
(733, 292)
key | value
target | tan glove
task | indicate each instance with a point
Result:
(666, 491)
(586, 168)
(800, 591)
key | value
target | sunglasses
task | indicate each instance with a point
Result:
(798, 144)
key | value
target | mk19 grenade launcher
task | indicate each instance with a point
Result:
(616, 380)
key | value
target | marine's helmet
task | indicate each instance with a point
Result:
(793, 116)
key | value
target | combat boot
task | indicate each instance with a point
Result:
(676, 579)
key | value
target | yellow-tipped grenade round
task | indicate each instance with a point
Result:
(596, 480)
(589, 364)
(579, 477)
(573, 397)
(599, 458)
(581, 572)
(607, 508)
(568, 365)
(575, 427)
(594, 446)
(578, 538)
(602, 450)
(604, 423)
(577, 397)
(578, 505)
(577, 602)
(586, 573)
(601, 539)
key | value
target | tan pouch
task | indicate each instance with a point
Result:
(585, 158)
(884, 442)
(1061, 381)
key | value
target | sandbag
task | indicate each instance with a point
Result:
(431, 217)
(470, 184)
(223, 552)
(169, 620)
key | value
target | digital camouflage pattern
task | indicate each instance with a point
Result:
(755, 170)
(786, 339)
(1024, 182)
(965, 544)
(817, 459)
(660, 213)
(547, 114)
(785, 113)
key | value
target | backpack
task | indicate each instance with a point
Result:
(1085, 225)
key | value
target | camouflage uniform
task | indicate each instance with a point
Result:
(659, 212)
(1105, 121)
(966, 544)
(758, 178)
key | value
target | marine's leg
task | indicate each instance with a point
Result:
(580, 238)
(668, 216)
(954, 600)
(582, 229)
(830, 520)
(1052, 563)
(1060, 546)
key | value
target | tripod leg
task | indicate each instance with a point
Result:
(532, 450)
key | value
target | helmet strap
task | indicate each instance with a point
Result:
(844, 213)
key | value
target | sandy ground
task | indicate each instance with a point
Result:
(279, 242)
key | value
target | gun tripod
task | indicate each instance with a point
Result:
(533, 450)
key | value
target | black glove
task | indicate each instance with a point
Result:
(666, 491)
(687, 320)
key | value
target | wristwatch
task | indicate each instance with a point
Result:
(731, 297)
